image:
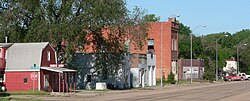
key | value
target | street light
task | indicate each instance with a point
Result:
(174, 16)
(216, 74)
(191, 52)
(238, 64)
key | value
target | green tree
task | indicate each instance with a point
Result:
(152, 18)
(184, 41)
(71, 21)
(209, 70)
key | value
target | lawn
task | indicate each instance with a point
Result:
(18, 99)
(6, 96)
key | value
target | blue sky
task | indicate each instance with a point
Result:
(218, 15)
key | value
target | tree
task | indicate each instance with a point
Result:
(67, 24)
(209, 70)
(152, 18)
(184, 41)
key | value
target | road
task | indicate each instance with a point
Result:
(228, 91)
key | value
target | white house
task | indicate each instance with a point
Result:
(88, 76)
(231, 66)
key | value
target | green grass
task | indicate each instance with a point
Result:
(183, 81)
(25, 93)
(164, 82)
(18, 99)
(4, 96)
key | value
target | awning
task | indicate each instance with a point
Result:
(58, 69)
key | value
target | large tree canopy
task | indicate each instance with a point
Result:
(72, 21)
(152, 18)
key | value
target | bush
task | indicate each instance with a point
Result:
(171, 78)
(208, 75)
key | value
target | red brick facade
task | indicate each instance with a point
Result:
(169, 33)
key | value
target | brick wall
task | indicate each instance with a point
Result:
(169, 31)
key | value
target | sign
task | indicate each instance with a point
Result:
(34, 67)
(33, 76)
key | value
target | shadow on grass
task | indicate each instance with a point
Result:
(4, 94)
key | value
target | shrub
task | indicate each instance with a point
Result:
(171, 78)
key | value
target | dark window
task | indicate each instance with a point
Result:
(2, 77)
(25, 80)
(150, 47)
(88, 78)
(150, 44)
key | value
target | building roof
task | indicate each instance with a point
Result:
(5, 45)
(21, 56)
(58, 69)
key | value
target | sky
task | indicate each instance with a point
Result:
(218, 15)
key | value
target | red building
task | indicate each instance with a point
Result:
(27, 66)
(163, 39)
(184, 69)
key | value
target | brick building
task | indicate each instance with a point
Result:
(184, 69)
(163, 44)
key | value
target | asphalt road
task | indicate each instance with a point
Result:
(228, 91)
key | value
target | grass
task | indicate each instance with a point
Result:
(29, 93)
(183, 81)
(3, 94)
(164, 82)
(18, 99)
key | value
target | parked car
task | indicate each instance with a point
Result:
(247, 77)
(235, 77)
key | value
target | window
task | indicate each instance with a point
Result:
(1, 53)
(174, 44)
(2, 77)
(88, 78)
(46, 81)
(25, 80)
(150, 44)
(48, 55)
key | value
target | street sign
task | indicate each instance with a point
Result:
(34, 67)
(33, 76)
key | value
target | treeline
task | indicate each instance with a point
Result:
(204, 47)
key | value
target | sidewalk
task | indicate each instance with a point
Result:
(102, 92)
(92, 93)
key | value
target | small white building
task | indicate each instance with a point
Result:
(231, 66)
(88, 76)
(143, 71)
